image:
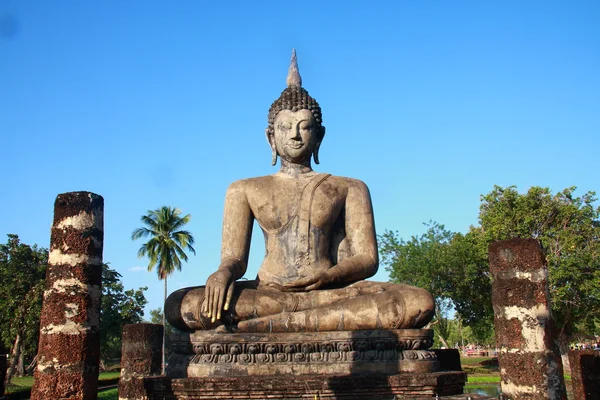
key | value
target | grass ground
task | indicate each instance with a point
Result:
(24, 384)
(481, 369)
(110, 394)
(483, 372)
(484, 369)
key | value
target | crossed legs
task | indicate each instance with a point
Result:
(361, 305)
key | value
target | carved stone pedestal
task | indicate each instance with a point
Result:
(386, 352)
(379, 364)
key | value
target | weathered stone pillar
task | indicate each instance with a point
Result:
(585, 374)
(69, 349)
(530, 365)
(141, 356)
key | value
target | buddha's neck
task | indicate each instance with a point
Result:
(295, 170)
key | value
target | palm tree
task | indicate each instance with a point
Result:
(165, 249)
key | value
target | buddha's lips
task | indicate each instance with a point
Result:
(296, 145)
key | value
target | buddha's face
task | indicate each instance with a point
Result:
(296, 135)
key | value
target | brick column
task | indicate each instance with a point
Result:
(585, 374)
(69, 347)
(141, 356)
(530, 364)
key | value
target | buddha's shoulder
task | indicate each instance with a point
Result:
(344, 181)
(268, 181)
(251, 183)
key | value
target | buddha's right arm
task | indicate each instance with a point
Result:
(237, 230)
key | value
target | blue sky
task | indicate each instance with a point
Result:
(151, 103)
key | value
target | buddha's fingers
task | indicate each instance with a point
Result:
(220, 304)
(300, 285)
(229, 296)
(215, 301)
(209, 299)
(314, 286)
(206, 301)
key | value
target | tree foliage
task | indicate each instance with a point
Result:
(569, 229)
(457, 335)
(452, 267)
(455, 266)
(119, 307)
(23, 279)
(22, 274)
(166, 248)
(167, 245)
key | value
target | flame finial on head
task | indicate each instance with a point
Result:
(293, 78)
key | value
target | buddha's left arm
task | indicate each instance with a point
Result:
(360, 233)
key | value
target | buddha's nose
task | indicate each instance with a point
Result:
(297, 135)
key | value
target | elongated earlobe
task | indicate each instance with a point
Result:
(318, 145)
(316, 152)
(271, 141)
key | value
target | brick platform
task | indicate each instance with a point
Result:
(377, 364)
(308, 386)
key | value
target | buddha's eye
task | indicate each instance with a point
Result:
(305, 126)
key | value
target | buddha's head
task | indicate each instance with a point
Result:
(295, 128)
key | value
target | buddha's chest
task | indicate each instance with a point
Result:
(277, 206)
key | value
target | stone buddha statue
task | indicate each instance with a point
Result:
(320, 245)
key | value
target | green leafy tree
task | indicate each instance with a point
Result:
(569, 229)
(119, 307)
(449, 265)
(22, 274)
(418, 262)
(458, 336)
(455, 266)
(156, 316)
(167, 245)
(470, 284)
